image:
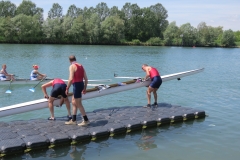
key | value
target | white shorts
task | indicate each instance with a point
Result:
(3, 78)
(33, 79)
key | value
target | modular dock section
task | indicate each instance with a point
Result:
(24, 136)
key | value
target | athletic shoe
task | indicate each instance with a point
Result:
(147, 106)
(51, 119)
(84, 123)
(69, 118)
(155, 104)
(71, 122)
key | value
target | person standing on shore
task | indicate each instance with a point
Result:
(58, 88)
(154, 75)
(76, 76)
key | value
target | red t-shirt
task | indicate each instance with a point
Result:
(57, 81)
(79, 74)
(153, 72)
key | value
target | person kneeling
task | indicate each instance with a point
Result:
(58, 88)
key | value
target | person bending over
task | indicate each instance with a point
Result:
(58, 88)
(154, 75)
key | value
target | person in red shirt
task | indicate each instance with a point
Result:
(155, 77)
(76, 77)
(58, 88)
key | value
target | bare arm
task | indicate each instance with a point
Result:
(44, 86)
(85, 82)
(6, 73)
(147, 73)
(40, 73)
(70, 79)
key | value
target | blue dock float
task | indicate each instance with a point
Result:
(24, 136)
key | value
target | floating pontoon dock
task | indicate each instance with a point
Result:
(25, 136)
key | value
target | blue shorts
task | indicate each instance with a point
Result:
(59, 89)
(156, 82)
(77, 89)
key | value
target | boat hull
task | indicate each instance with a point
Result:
(24, 81)
(91, 93)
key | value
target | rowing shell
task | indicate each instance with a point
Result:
(32, 82)
(91, 93)
(25, 81)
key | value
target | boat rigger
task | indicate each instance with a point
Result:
(91, 93)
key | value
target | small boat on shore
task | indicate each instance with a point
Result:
(97, 91)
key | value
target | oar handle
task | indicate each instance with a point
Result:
(39, 82)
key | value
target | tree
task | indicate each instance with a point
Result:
(132, 20)
(93, 29)
(161, 19)
(55, 11)
(53, 30)
(115, 12)
(74, 12)
(189, 34)
(102, 11)
(7, 9)
(88, 12)
(113, 29)
(237, 36)
(28, 29)
(78, 33)
(228, 38)
(172, 34)
(66, 27)
(28, 8)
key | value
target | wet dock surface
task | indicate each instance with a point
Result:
(24, 136)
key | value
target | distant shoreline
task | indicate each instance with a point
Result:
(126, 44)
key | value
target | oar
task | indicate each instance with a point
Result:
(9, 91)
(116, 76)
(33, 89)
(94, 80)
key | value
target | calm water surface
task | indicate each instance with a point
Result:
(216, 90)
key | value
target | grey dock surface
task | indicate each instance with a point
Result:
(24, 136)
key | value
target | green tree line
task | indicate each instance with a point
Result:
(130, 25)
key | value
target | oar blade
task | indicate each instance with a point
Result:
(32, 90)
(8, 91)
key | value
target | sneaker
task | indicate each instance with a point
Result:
(147, 106)
(155, 104)
(69, 118)
(71, 122)
(84, 123)
(51, 119)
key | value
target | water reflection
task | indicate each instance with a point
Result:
(77, 153)
(147, 139)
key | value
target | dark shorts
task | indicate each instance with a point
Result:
(156, 82)
(59, 89)
(77, 89)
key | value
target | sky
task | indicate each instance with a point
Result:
(225, 13)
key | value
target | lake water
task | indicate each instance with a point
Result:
(216, 90)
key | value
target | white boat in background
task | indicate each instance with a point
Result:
(91, 93)
(23, 81)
